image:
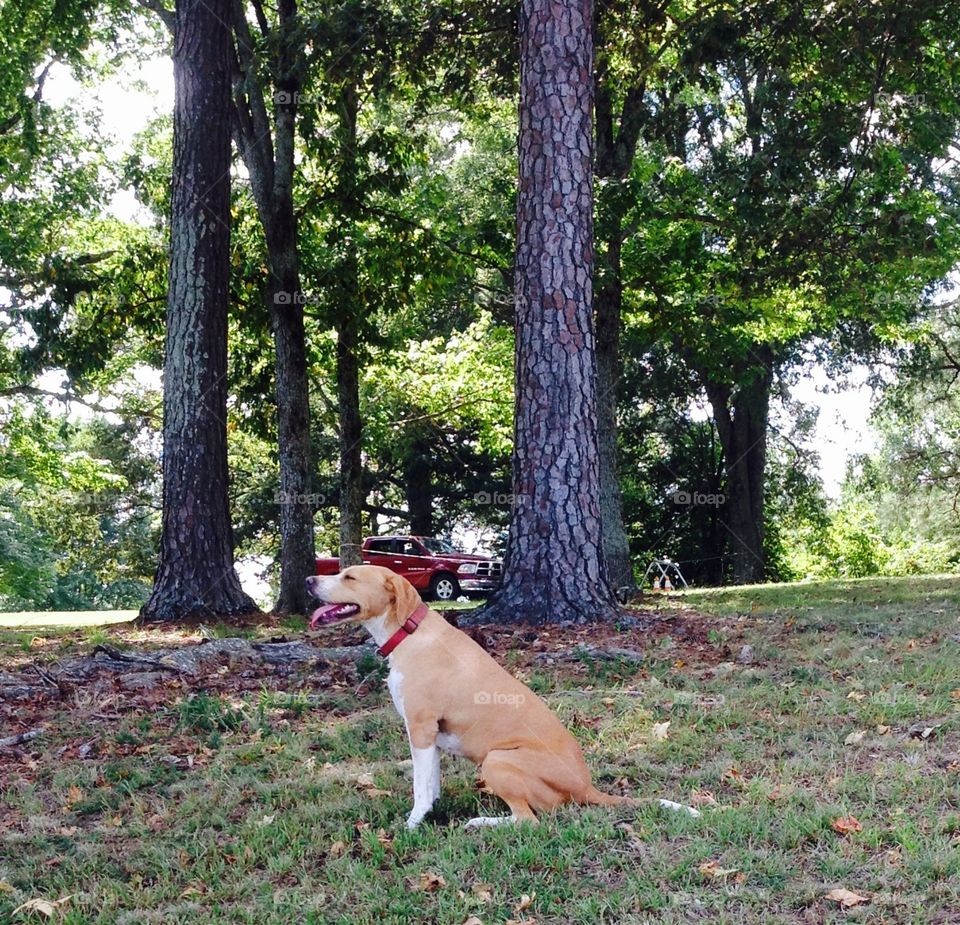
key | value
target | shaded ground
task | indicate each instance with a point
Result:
(255, 792)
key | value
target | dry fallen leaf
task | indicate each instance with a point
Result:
(882, 730)
(473, 920)
(855, 738)
(338, 849)
(714, 871)
(702, 798)
(386, 842)
(74, 795)
(525, 902)
(430, 882)
(660, 731)
(846, 824)
(483, 892)
(43, 906)
(847, 898)
(859, 696)
(5, 887)
(921, 731)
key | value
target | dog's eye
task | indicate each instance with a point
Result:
(348, 578)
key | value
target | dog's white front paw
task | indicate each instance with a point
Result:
(415, 818)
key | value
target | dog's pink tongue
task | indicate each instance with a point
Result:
(326, 613)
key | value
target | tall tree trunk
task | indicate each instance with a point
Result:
(418, 482)
(268, 153)
(608, 302)
(554, 569)
(195, 576)
(616, 147)
(741, 418)
(348, 348)
(297, 550)
(351, 440)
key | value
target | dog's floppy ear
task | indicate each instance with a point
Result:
(403, 598)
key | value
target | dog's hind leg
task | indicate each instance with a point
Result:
(506, 780)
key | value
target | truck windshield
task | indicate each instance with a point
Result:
(438, 546)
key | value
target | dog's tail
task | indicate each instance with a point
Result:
(594, 797)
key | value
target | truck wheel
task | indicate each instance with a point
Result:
(444, 588)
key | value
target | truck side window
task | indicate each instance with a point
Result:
(409, 548)
(380, 546)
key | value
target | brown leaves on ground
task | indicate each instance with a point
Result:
(845, 825)
(846, 898)
(430, 882)
(659, 732)
(525, 902)
(366, 783)
(713, 871)
(42, 906)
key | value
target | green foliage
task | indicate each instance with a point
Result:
(75, 527)
(855, 544)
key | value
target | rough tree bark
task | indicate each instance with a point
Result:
(348, 346)
(616, 146)
(195, 575)
(742, 417)
(268, 153)
(554, 568)
(351, 440)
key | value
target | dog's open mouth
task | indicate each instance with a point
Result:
(332, 613)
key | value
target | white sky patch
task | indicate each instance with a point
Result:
(843, 426)
(128, 101)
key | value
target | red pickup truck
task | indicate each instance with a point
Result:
(431, 565)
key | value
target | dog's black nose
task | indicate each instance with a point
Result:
(308, 583)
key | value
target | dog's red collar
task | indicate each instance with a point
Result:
(408, 628)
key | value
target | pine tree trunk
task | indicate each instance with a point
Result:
(351, 440)
(297, 502)
(616, 547)
(348, 349)
(268, 153)
(195, 575)
(554, 568)
(616, 146)
(742, 419)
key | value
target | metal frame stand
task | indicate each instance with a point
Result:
(665, 567)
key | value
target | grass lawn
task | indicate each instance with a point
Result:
(243, 801)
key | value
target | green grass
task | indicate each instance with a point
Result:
(258, 808)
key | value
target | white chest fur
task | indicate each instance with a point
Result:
(395, 686)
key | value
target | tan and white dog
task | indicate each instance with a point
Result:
(453, 696)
